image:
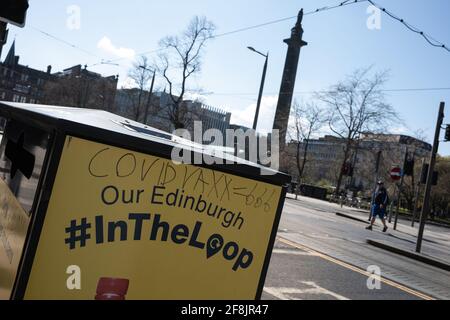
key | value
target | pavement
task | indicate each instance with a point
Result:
(338, 257)
(436, 241)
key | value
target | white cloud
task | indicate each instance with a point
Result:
(399, 130)
(106, 45)
(195, 96)
(126, 83)
(246, 116)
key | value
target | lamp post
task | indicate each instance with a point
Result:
(261, 89)
(150, 94)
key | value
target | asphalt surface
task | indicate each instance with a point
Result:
(329, 240)
(296, 274)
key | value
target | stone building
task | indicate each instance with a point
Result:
(78, 87)
(325, 158)
(19, 83)
(127, 102)
(73, 87)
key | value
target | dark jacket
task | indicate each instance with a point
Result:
(381, 197)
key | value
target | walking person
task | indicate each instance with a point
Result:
(379, 206)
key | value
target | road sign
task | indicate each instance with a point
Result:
(396, 173)
(14, 12)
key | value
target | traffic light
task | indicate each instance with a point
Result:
(435, 179)
(344, 169)
(347, 169)
(14, 11)
(350, 170)
(408, 166)
(447, 133)
(424, 175)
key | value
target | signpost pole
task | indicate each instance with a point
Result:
(426, 200)
(416, 199)
(377, 169)
(396, 174)
(400, 190)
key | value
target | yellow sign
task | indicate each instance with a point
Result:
(169, 231)
(14, 223)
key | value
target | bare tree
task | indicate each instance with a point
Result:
(420, 134)
(357, 105)
(141, 75)
(410, 184)
(180, 60)
(308, 119)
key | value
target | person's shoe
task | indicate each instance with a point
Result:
(369, 228)
(385, 229)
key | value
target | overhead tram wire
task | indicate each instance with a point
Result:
(341, 4)
(65, 42)
(432, 41)
(331, 91)
(111, 61)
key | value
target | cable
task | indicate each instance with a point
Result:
(109, 61)
(341, 4)
(328, 91)
(432, 41)
(103, 61)
(427, 37)
(120, 59)
(64, 42)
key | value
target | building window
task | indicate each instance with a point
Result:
(32, 101)
(3, 95)
(23, 99)
(16, 98)
(22, 88)
(24, 77)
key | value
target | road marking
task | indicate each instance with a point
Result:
(285, 293)
(353, 268)
(325, 237)
(293, 252)
(321, 290)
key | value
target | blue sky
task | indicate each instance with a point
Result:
(339, 42)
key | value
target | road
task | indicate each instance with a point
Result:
(320, 255)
